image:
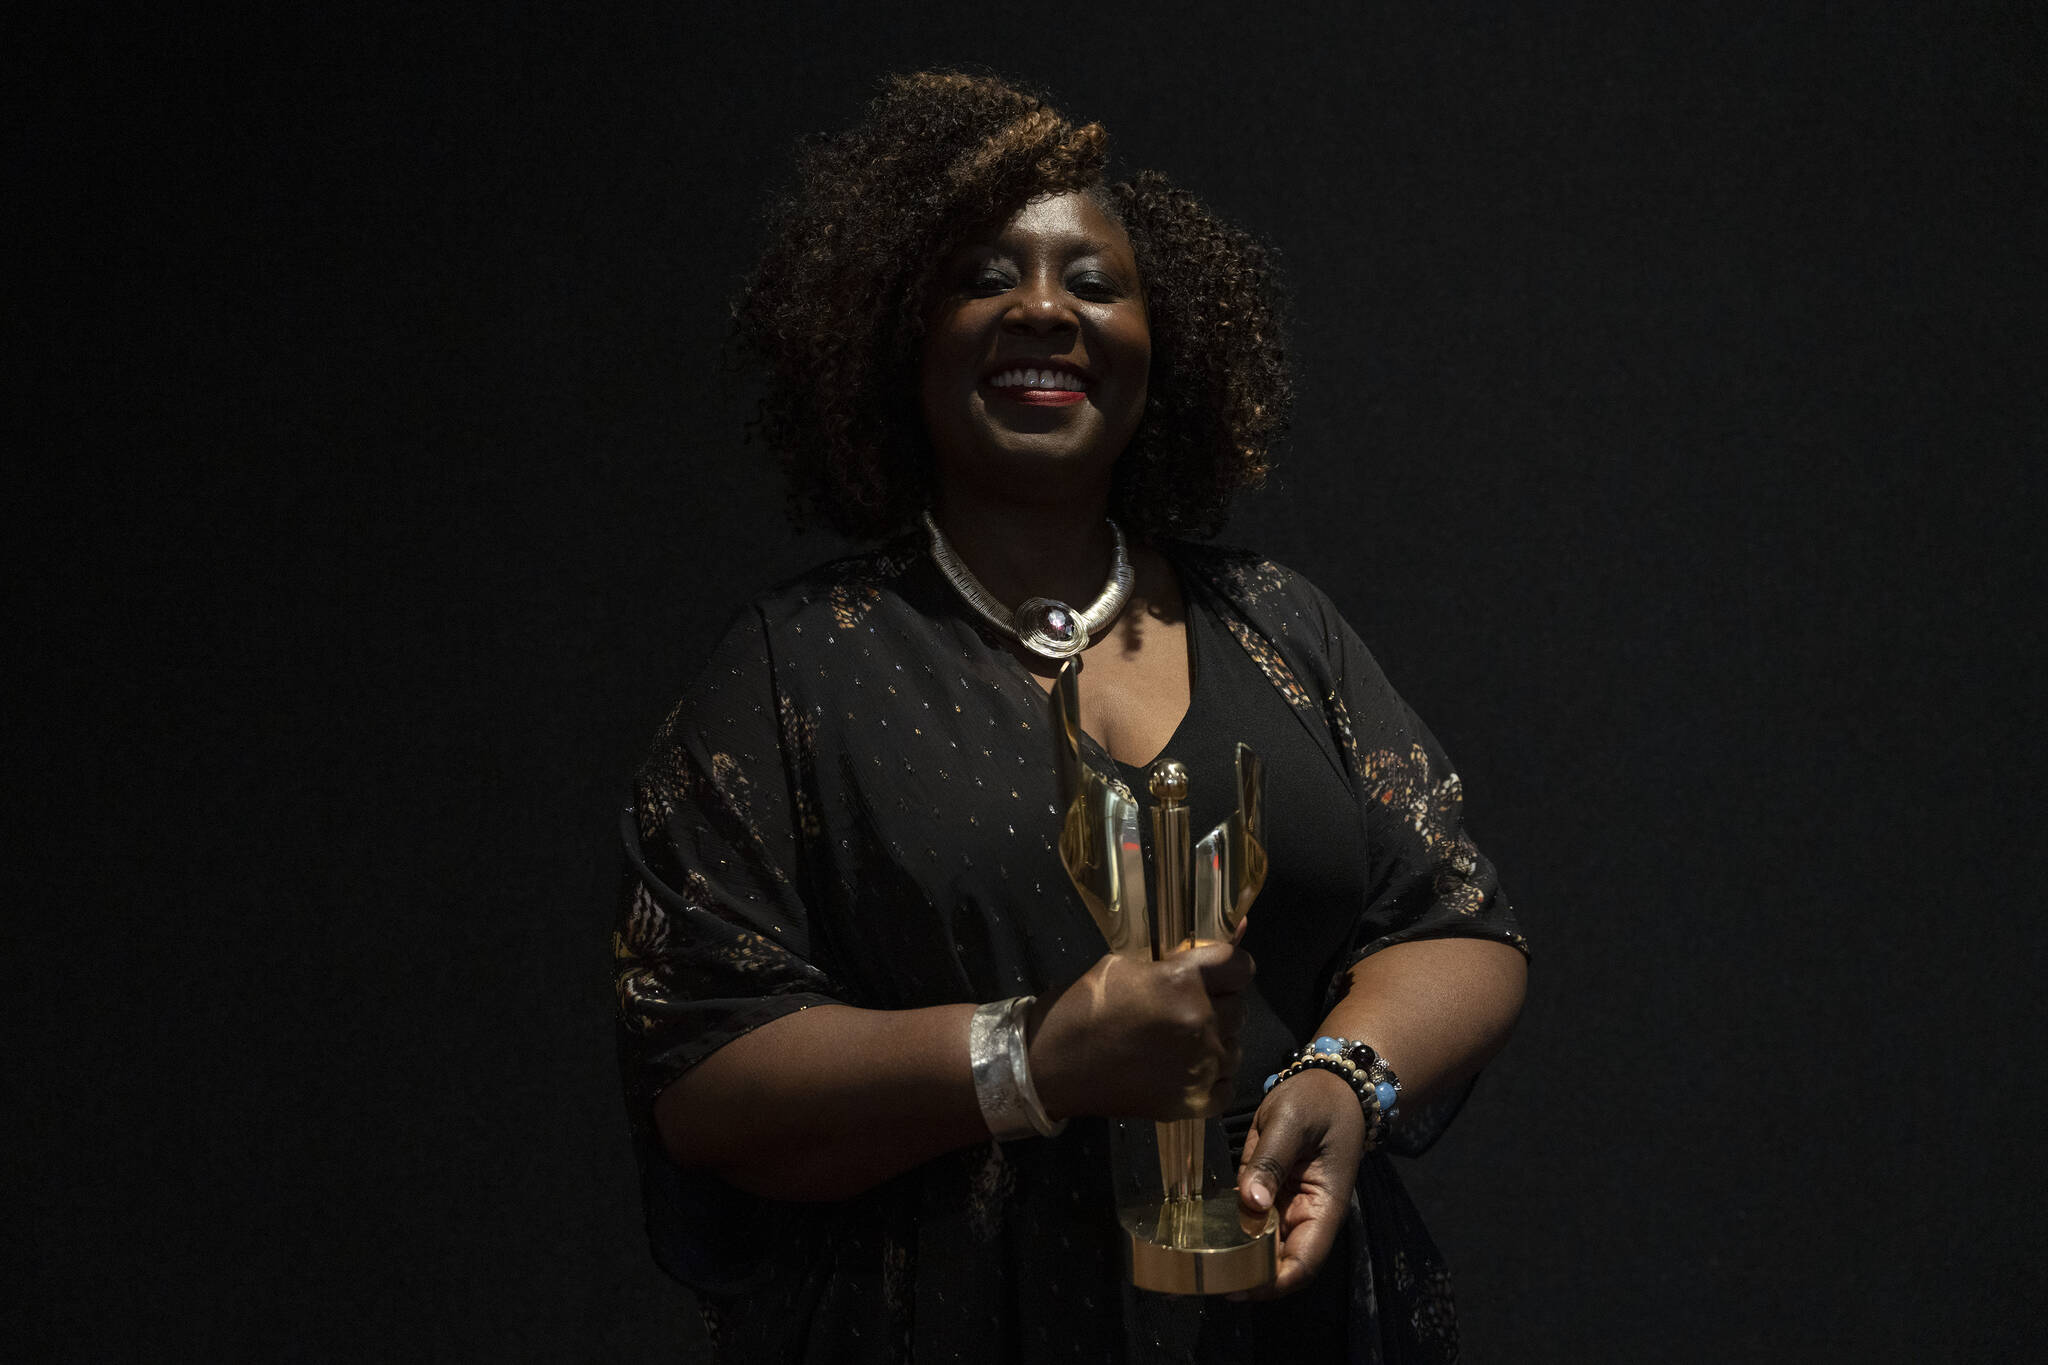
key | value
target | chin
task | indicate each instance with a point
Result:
(1048, 457)
(1031, 472)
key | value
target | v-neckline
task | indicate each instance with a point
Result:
(1018, 671)
(1194, 697)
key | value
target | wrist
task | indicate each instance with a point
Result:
(1048, 1062)
(1360, 1069)
(1321, 1088)
(999, 1060)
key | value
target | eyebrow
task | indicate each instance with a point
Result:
(1079, 243)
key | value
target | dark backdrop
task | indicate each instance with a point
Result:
(1670, 414)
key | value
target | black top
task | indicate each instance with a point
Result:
(1305, 913)
(857, 803)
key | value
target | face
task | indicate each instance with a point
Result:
(1037, 350)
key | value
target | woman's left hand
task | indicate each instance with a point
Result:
(1301, 1156)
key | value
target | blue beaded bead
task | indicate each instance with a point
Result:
(1272, 1080)
(1327, 1044)
(1387, 1094)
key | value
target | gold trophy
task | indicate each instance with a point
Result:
(1184, 1230)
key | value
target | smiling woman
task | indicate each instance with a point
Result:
(871, 1041)
(1036, 354)
(836, 314)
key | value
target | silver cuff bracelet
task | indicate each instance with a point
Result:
(1002, 1072)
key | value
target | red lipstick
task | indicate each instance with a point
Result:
(1042, 398)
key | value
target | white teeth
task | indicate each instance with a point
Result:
(1036, 379)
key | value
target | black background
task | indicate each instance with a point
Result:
(1670, 408)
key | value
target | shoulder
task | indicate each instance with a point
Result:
(1279, 599)
(1242, 575)
(836, 594)
(789, 623)
(782, 641)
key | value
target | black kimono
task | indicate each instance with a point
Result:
(856, 803)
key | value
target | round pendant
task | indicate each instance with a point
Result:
(1050, 628)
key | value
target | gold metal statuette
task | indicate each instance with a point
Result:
(1184, 1230)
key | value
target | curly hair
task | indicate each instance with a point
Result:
(836, 309)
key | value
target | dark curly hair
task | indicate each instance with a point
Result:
(836, 309)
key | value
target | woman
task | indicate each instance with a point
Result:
(841, 850)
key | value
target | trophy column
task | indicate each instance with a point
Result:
(1180, 1140)
(1185, 1232)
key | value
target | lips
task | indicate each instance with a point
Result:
(1039, 383)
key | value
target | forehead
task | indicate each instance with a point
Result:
(1070, 220)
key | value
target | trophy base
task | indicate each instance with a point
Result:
(1199, 1246)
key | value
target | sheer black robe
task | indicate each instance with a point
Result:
(856, 803)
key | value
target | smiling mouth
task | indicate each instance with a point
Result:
(1039, 386)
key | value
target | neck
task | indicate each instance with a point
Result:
(1057, 550)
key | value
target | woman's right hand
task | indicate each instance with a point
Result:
(1141, 1039)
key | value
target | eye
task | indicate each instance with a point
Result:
(988, 279)
(1095, 285)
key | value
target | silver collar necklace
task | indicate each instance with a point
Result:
(1041, 624)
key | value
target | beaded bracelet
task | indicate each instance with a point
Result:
(1371, 1079)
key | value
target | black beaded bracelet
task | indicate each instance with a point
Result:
(1370, 1078)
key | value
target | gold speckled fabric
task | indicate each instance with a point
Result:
(855, 802)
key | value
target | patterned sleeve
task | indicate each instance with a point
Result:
(1427, 879)
(713, 938)
(1426, 876)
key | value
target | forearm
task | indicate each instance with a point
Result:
(831, 1101)
(826, 1102)
(1436, 1010)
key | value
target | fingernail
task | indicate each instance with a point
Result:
(1262, 1198)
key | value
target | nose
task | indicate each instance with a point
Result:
(1040, 305)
